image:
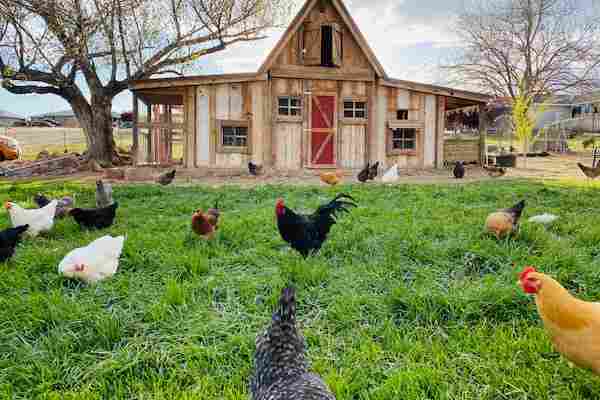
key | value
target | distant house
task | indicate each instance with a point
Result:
(9, 119)
(67, 118)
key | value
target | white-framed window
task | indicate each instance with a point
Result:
(404, 140)
(355, 109)
(235, 136)
(289, 106)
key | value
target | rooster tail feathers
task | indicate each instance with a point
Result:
(287, 305)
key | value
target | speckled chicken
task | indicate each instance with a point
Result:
(281, 371)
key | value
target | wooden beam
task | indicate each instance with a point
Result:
(322, 74)
(475, 98)
(440, 131)
(195, 81)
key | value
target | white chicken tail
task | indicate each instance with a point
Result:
(391, 175)
(544, 219)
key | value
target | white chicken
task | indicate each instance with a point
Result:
(95, 262)
(39, 219)
(391, 175)
(544, 219)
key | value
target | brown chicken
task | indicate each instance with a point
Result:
(332, 178)
(572, 324)
(505, 222)
(591, 173)
(206, 224)
(494, 172)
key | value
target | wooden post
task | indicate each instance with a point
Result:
(483, 133)
(440, 132)
(136, 141)
(149, 154)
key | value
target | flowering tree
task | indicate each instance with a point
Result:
(62, 47)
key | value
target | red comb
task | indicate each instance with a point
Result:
(526, 272)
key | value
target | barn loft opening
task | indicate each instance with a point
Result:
(327, 46)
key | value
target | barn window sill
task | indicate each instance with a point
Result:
(233, 150)
(280, 118)
(355, 121)
(410, 153)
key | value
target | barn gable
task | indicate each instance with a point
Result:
(324, 38)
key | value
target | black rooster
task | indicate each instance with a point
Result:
(9, 239)
(591, 173)
(254, 169)
(306, 233)
(280, 366)
(98, 218)
(373, 170)
(459, 170)
(166, 178)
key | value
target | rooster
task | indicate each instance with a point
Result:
(95, 262)
(591, 173)
(9, 238)
(504, 222)
(98, 218)
(62, 208)
(206, 224)
(254, 169)
(363, 175)
(459, 170)
(104, 196)
(373, 171)
(572, 324)
(281, 371)
(39, 219)
(307, 233)
(494, 172)
(332, 178)
(166, 178)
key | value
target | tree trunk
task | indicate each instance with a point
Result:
(525, 151)
(96, 121)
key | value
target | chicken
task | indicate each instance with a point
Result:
(373, 171)
(494, 172)
(332, 178)
(254, 169)
(459, 170)
(363, 176)
(206, 224)
(166, 178)
(307, 233)
(95, 262)
(504, 222)
(104, 196)
(62, 208)
(9, 238)
(281, 371)
(39, 219)
(572, 324)
(98, 218)
(391, 175)
(591, 173)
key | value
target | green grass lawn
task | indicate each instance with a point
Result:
(407, 300)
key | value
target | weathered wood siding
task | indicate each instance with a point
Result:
(292, 58)
(429, 139)
(289, 143)
(352, 136)
(287, 131)
(203, 131)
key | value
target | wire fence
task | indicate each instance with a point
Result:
(58, 140)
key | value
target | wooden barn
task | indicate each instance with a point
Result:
(321, 99)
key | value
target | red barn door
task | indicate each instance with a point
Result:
(323, 131)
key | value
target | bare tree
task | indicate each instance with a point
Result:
(59, 46)
(550, 46)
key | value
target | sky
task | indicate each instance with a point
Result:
(410, 38)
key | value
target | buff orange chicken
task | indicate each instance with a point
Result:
(505, 222)
(572, 324)
(332, 178)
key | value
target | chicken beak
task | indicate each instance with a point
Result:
(7, 205)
